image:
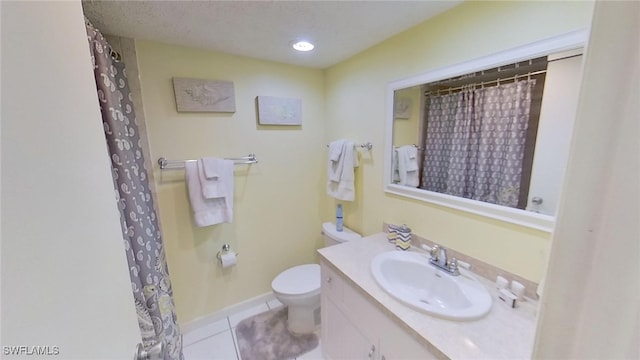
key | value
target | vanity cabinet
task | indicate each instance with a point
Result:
(354, 328)
(341, 339)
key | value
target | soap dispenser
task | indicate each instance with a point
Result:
(403, 239)
(339, 221)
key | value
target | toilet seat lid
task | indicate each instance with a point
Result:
(298, 280)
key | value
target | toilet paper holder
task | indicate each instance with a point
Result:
(225, 249)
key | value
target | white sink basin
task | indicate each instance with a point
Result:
(408, 277)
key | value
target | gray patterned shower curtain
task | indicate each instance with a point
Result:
(142, 239)
(475, 142)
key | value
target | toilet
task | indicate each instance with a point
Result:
(299, 287)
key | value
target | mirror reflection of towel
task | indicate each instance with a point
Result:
(407, 160)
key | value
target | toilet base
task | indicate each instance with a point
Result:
(303, 319)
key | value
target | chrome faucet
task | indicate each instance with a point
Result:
(442, 258)
(439, 260)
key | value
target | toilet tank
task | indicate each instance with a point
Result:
(333, 237)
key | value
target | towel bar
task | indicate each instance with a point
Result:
(366, 145)
(179, 164)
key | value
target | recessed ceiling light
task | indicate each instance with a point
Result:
(302, 45)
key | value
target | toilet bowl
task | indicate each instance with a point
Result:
(299, 287)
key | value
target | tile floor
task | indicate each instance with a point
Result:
(217, 341)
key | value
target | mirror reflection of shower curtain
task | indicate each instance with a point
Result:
(475, 142)
(142, 239)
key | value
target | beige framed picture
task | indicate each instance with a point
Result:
(402, 108)
(200, 95)
(279, 111)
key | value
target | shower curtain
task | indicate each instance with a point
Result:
(475, 142)
(142, 239)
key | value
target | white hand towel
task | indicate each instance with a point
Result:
(413, 152)
(210, 211)
(340, 184)
(412, 157)
(408, 165)
(335, 149)
(210, 181)
(210, 166)
(335, 159)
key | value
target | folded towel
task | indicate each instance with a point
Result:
(411, 153)
(210, 181)
(335, 149)
(408, 165)
(210, 166)
(210, 211)
(340, 184)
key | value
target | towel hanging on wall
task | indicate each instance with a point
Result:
(218, 208)
(342, 160)
(209, 170)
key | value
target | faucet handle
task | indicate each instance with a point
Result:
(452, 264)
(435, 252)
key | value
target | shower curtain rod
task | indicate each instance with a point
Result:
(483, 83)
(114, 54)
(179, 164)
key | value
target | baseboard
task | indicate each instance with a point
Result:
(230, 310)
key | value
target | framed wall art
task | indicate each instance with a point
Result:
(279, 111)
(402, 108)
(200, 95)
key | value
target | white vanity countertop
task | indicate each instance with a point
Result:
(504, 333)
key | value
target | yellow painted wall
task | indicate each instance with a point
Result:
(277, 215)
(281, 202)
(355, 98)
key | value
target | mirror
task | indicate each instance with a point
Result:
(489, 136)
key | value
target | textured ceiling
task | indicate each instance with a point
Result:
(263, 29)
